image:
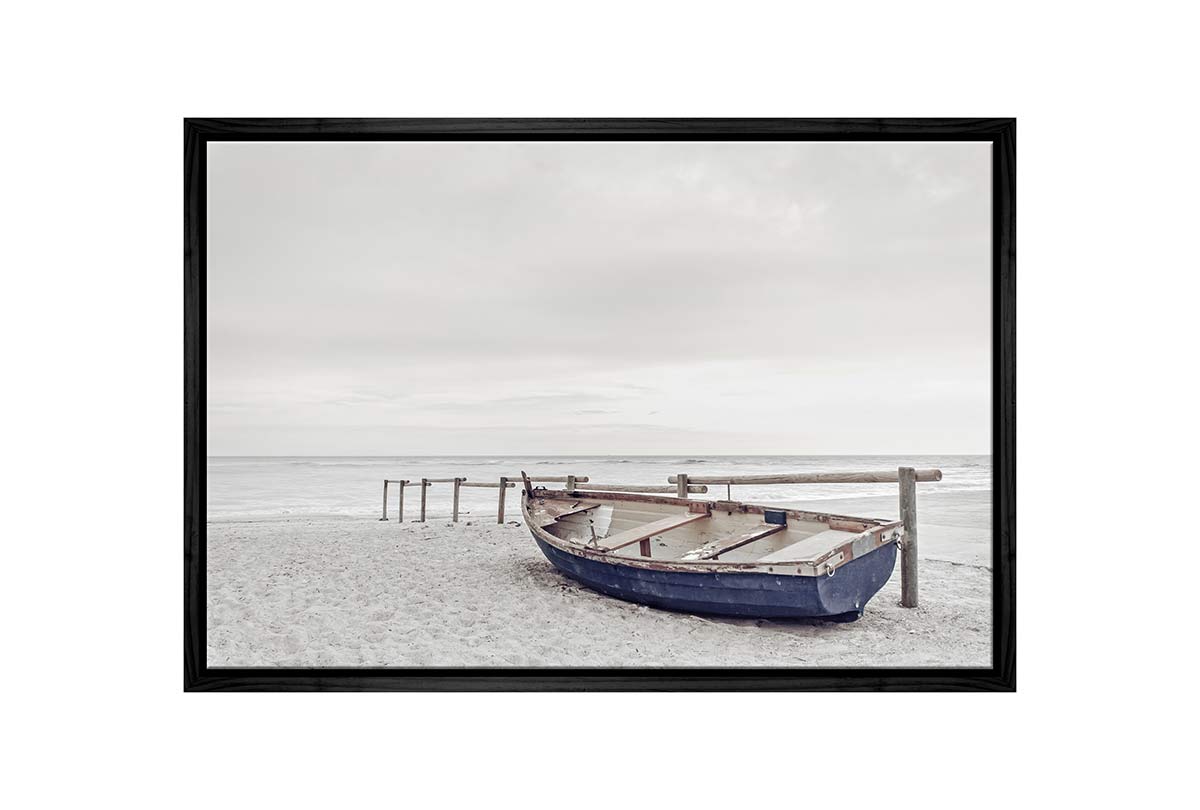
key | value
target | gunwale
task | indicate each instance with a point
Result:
(879, 532)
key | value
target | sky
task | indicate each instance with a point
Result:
(609, 298)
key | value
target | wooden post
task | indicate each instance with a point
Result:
(503, 489)
(457, 484)
(682, 485)
(424, 489)
(570, 483)
(908, 554)
(385, 483)
(400, 516)
(644, 547)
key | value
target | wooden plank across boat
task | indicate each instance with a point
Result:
(715, 557)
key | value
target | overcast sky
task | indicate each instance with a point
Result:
(624, 298)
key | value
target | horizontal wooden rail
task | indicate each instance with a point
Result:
(890, 477)
(638, 488)
(551, 479)
(492, 485)
(560, 479)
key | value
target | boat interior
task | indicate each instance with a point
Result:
(668, 529)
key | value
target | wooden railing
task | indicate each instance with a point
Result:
(507, 482)
(685, 485)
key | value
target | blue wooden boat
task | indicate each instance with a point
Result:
(714, 557)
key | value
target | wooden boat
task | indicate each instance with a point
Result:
(714, 557)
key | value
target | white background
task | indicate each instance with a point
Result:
(92, 321)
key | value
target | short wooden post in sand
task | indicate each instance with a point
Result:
(503, 489)
(457, 485)
(385, 483)
(682, 485)
(424, 489)
(400, 515)
(570, 483)
(908, 552)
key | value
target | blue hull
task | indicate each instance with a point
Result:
(841, 597)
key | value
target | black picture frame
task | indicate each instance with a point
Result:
(1000, 132)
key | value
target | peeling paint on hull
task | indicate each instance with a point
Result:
(841, 597)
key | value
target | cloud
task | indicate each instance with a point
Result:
(373, 283)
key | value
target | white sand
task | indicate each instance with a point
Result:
(359, 592)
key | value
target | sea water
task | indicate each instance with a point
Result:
(257, 487)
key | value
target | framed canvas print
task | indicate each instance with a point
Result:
(638, 404)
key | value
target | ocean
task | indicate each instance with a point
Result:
(352, 486)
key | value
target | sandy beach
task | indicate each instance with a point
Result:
(356, 591)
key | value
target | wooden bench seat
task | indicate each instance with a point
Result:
(710, 551)
(810, 548)
(645, 532)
